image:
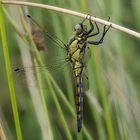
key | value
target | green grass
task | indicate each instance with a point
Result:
(9, 75)
(47, 109)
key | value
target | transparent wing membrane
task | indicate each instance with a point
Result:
(50, 38)
(54, 50)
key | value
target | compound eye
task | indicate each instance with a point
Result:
(77, 28)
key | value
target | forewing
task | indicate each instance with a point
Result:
(55, 49)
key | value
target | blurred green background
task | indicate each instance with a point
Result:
(46, 102)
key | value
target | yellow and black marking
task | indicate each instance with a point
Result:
(76, 51)
(79, 101)
(78, 68)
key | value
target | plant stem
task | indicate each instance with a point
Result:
(9, 74)
(66, 11)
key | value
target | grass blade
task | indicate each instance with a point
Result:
(9, 75)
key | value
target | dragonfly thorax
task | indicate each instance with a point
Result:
(77, 50)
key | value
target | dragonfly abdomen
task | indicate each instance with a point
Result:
(78, 69)
(79, 101)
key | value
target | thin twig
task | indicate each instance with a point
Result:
(66, 11)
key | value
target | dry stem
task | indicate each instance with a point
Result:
(66, 11)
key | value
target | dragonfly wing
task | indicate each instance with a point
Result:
(55, 56)
(55, 47)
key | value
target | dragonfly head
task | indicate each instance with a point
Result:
(80, 28)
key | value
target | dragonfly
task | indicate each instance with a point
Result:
(76, 51)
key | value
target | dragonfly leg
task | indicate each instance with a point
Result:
(84, 19)
(90, 35)
(91, 26)
(103, 35)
